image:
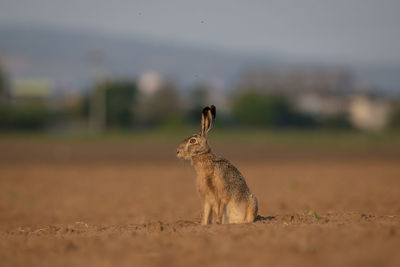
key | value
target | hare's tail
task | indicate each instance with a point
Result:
(252, 209)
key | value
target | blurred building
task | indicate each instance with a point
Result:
(32, 89)
(150, 82)
(322, 104)
(369, 112)
(322, 93)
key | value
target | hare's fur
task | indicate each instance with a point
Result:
(225, 195)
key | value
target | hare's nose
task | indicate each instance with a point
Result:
(177, 151)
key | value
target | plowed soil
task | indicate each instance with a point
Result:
(137, 205)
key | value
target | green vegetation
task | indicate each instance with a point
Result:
(254, 109)
(162, 109)
(121, 97)
(117, 104)
(3, 85)
(26, 116)
(309, 139)
(311, 212)
(395, 116)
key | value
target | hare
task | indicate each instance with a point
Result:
(225, 195)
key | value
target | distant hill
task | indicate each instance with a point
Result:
(72, 59)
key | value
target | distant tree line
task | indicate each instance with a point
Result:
(119, 104)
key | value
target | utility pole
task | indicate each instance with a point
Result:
(97, 97)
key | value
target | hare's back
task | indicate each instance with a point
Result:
(232, 178)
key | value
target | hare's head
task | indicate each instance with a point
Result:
(197, 144)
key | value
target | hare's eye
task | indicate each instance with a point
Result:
(192, 141)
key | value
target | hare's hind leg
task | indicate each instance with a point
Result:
(252, 209)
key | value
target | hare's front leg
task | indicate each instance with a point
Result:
(221, 211)
(207, 212)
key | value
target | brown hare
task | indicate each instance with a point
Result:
(225, 195)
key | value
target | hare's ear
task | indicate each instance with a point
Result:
(207, 119)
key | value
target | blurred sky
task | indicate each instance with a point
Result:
(347, 31)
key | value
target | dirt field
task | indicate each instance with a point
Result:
(135, 204)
